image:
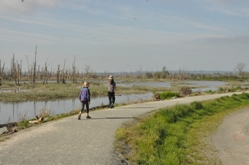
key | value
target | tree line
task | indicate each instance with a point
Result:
(62, 75)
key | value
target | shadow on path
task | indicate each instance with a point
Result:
(98, 118)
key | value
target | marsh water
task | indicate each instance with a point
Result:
(14, 112)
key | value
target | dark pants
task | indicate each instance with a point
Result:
(111, 97)
(83, 103)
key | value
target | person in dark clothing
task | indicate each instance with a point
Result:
(111, 93)
(85, 97)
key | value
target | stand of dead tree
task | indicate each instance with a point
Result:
(58, 74)
(1, 72)
(74, 71)
(63, 73)
(15, 71)
(45, 74)
(34, 73)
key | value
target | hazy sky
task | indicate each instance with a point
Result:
(126, 35)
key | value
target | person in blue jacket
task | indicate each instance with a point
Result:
(85, 97)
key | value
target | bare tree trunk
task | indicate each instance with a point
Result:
(28, 68)
(74, 70)
(34, 73)
(18, 74)
(0, 74)
(63, 73)
(38, 71)
(31, 74)
(58, 74)
(67, 74)
(87, 70)
(45, 74)
(20, 71)
(14, 69)
(2, 71)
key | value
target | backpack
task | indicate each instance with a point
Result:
(84, 95)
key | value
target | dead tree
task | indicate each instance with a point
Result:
(74, 71)
(29, 74)
(0, 74)
(18, 72)
(13, 70)
(63, 73)
(87, 70)
(2, 70)
(58, 74)
(34, 72)
(45, 74)
(240, 69)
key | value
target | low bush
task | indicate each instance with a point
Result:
(234, 89)
(209, 91)
(168, 95)
(185, 91)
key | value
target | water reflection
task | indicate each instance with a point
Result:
(148, 84)
(13, 112)
(205, 85)
(199, 85)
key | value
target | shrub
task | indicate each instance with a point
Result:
(196, 105)
(234, 89)
(168, 95)
(185, 91)
(209, 91)
(221, 89)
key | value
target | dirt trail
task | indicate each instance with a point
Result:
(231, 140)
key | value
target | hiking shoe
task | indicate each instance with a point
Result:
(88, 117)
(112, 106)
(79, 117)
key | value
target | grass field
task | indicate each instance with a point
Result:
(176, 135)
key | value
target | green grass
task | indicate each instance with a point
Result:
(166, 95)
(174, 136)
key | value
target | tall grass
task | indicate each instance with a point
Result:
(173, 136)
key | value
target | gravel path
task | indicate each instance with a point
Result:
(231, 139)
(85, 141)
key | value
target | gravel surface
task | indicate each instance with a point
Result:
(231, 139)
(85, 141)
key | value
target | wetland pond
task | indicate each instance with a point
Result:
(14, 112)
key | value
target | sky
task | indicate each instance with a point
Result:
(126, 35)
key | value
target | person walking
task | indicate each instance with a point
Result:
(111, 93)
(85, 97)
